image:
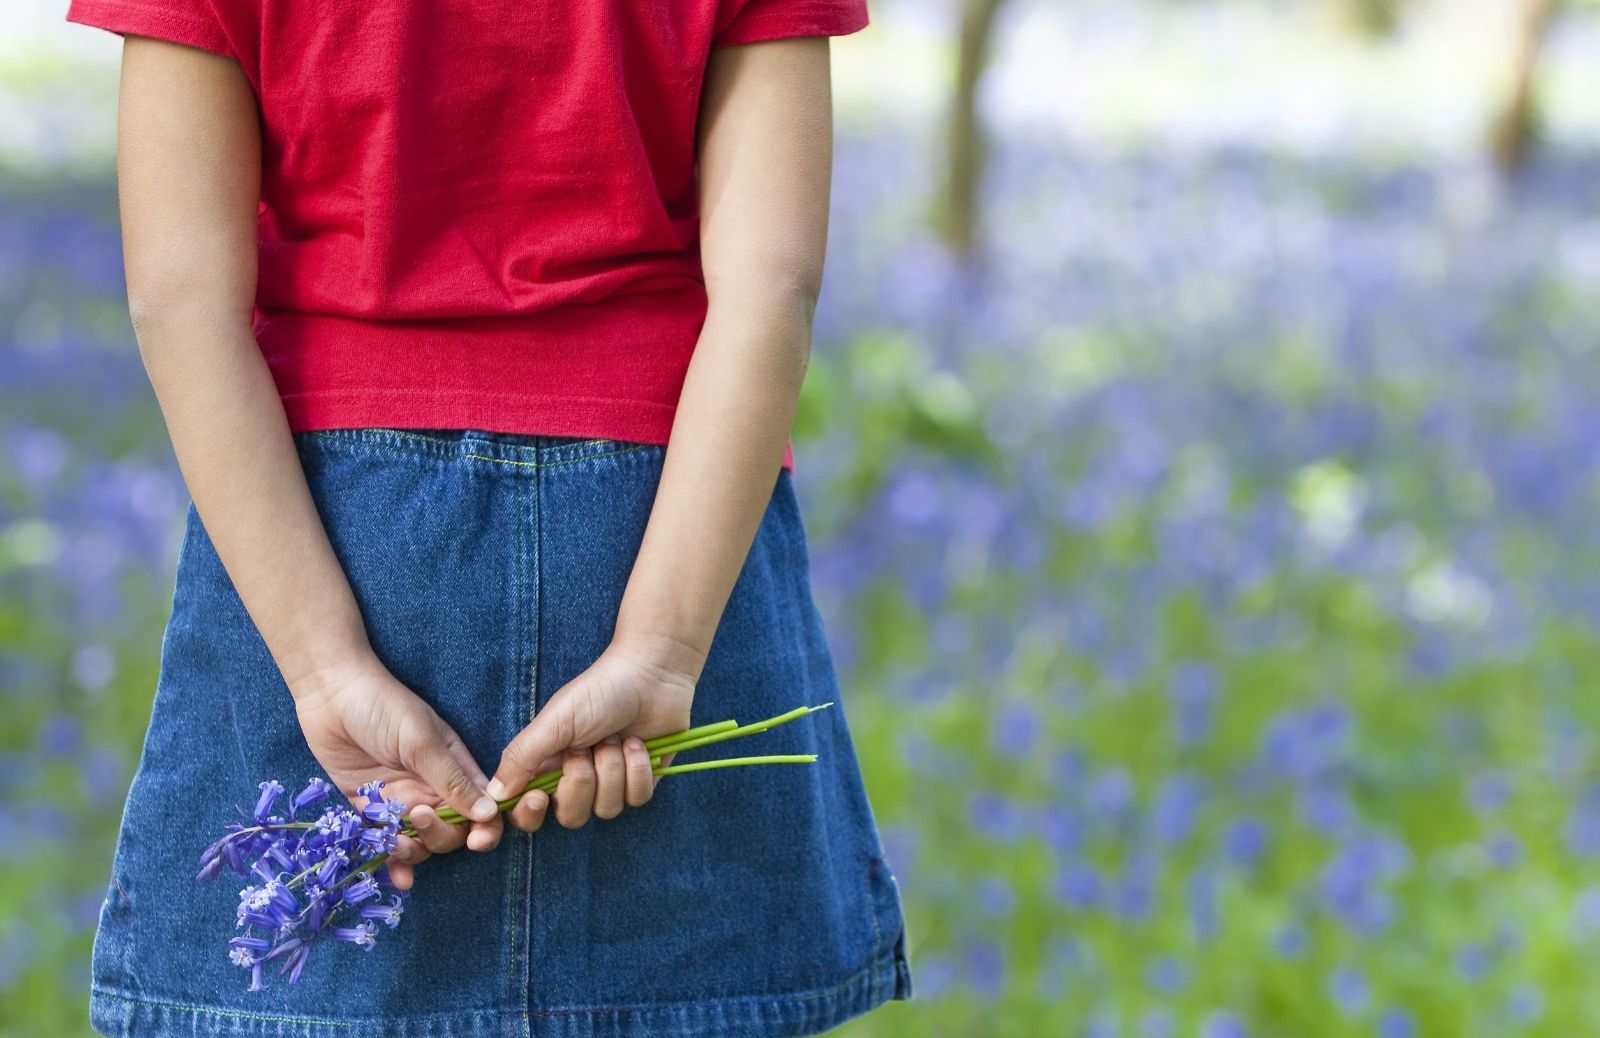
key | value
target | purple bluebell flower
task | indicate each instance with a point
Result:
(1066, 768)
(1290, 941)
(1177, 807)
(362, 888)
(307, 874)
(1102, 1025)
(382, 811)
(283, 948)
(936, 973)
(387, 914)
(381, 839)
(985, 962)
(1505, 850)
(1111, 794)
(1525, 1003)
(1473, 960)
(295, 962)
(1016, 726)
(997, 816)
(1166, 974)
(1062, 828)
(1223, 1025)
(317, 789)
(211, 867)
(1134, 897)
(1487, 790)
(1583, 829)
(332, 864)
(1245, 841)
(362, 934)
(270, 791)
(1078, 885)
(1397, 1023)
(60, 735)
(1348, 986)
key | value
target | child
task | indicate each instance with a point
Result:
(478, 330)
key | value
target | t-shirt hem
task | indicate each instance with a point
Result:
(533, 414)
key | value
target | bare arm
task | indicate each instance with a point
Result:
(765, 163)
(188, 173)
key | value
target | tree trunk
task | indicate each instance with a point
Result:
(957, 218)
(1516, 127)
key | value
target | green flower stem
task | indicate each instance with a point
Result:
(654, 745)
(680, 744)
(658, 747)
(728, 762)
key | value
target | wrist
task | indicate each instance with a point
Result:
(674, 655)
(311, 669)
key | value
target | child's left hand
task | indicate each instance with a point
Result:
(595, 725)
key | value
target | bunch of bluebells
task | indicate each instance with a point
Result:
(318, 873)
(321, 877)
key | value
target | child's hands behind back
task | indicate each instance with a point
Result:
(639, 688)
(362, 723)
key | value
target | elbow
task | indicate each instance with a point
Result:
(157, 316)
(784, 294)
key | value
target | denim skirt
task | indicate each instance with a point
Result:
(489, 568)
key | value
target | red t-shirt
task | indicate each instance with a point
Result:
(482, 214)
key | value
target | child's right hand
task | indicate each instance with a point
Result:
(362, 724)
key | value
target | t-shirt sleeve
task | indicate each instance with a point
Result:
(748, 21)
(194, 22)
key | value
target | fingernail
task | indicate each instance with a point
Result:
(635, 743)
(496, 790)
(484, 809)
(612, 740)
(422, 821)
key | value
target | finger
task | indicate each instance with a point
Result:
(655, 780)
(400, 873)
(530, 812)
(438, 766)
(575, 792)
(546, 736)
(483, 835)
(410, 850)
(610, 777)
(639, 781)
(435, 833)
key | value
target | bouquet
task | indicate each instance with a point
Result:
(324, 877)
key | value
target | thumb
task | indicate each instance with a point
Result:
(439, 768)
(550, 732)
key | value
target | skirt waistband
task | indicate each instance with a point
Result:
(523, 448)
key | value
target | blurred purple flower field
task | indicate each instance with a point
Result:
(1208, 562)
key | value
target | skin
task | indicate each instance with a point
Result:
(188, 161)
